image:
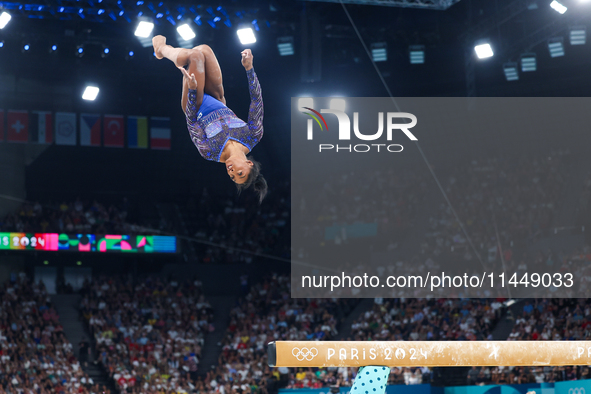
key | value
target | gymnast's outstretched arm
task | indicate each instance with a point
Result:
(255, 111)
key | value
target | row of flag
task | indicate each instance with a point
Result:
(63, 128)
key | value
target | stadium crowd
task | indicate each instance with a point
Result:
(35, 355)
(76, 216)
(557, 319)
(222, 223)
(268, 313)
(519, 195)
(388, 198)
(148, 334)
(424, 320)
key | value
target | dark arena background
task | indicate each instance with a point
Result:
(131, 265)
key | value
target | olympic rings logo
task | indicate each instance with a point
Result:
(309, 354)
(578, 390)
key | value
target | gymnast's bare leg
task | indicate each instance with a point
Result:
(200, 61)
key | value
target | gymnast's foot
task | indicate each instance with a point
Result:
(158, 42)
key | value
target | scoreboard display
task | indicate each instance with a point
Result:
(88, 243)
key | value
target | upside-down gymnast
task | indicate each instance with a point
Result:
(216, 131)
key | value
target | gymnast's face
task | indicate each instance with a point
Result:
(238, 169)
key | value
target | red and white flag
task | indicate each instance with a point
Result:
(113, 131)
(17, 126)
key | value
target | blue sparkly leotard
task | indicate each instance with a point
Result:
(211, 132)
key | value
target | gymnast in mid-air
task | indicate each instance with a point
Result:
(216, 131)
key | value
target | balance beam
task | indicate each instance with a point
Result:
(427, 353)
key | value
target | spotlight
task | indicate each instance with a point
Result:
(578, 35)
(26, 47)
(246, 36)
(417, 54)
(528, 62)
(379, 52)
(80, 50)
(186, 32)
(53, 49)
(285, 46)
(105, 51)
(130, 54)
(338, 104)
(4, 19)
(483, 49)
(511, 72)
(305, 102)
(558, 7)
(90, 93)
(144, 29)
(556, 47)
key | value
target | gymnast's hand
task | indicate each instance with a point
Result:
(190, 78)
(247, 59)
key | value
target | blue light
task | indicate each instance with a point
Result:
(54, 47)
(106, 50)
(130, 53)
(1, 44)
(178, 18)
(81, 10)
(154, 54)
(140, 13)
(140, 2)
(219, 8)
(27, 47)
(159, 15)
(101, 11)
(121, 13)
(80, 50)
(40, 8)
(61, 9)
(217, 19)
